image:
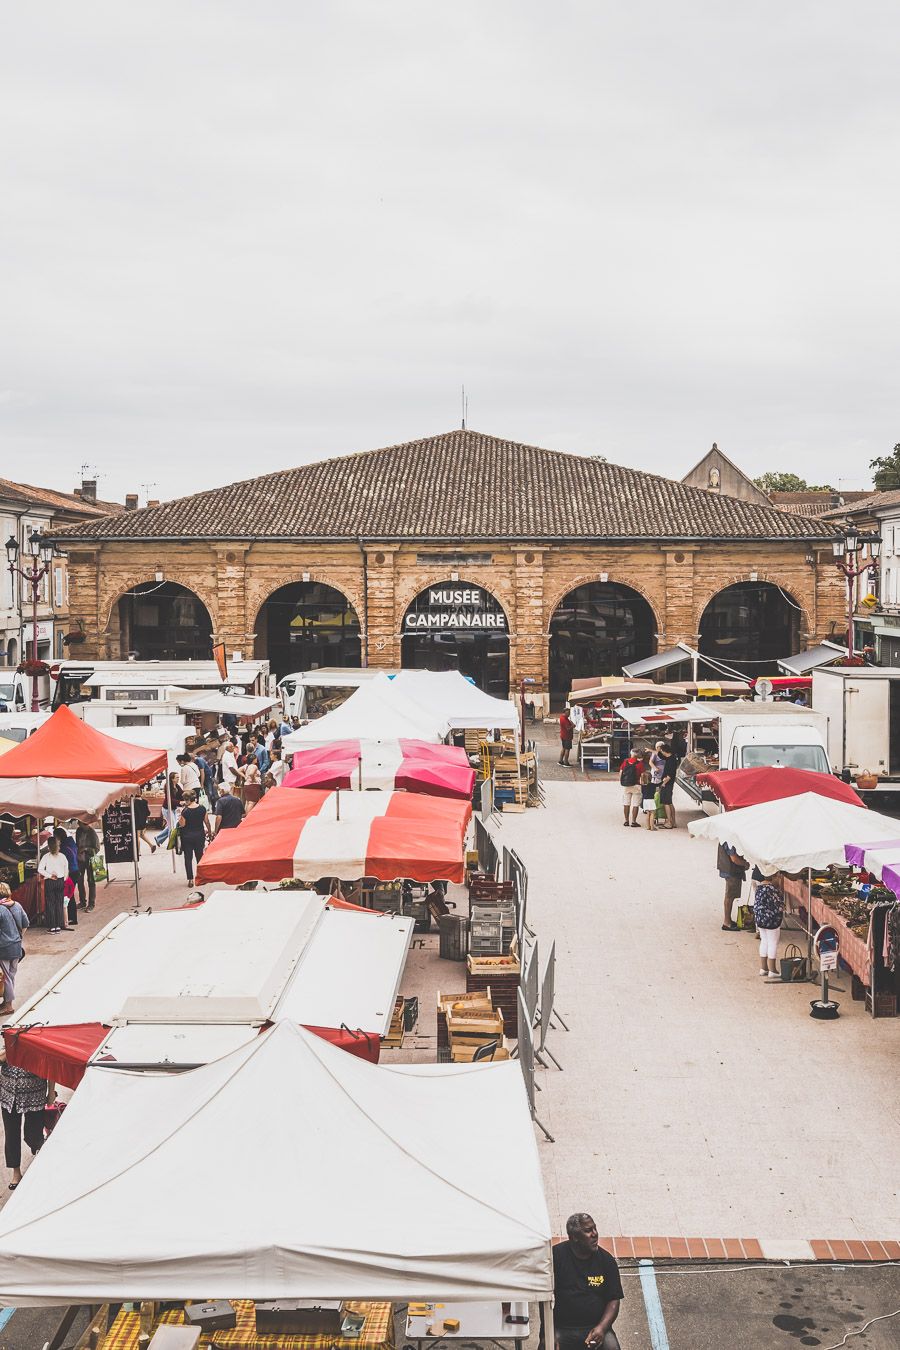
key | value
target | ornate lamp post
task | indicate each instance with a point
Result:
(42, 552)
(846, 550)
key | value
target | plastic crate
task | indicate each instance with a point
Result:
(454, 932)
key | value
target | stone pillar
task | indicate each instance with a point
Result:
(678, 619)
(233, 625)
(383, 648)
(528, 651)
(83, 567)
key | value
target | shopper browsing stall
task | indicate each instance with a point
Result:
(768, 912)
(54, 868)
(732, 869)
(13, 922)
(23, 1099)
(630, 782)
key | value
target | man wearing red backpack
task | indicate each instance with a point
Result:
(630, 778)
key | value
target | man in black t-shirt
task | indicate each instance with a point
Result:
(587, 1289)
(229, 809)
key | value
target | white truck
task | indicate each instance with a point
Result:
(745, 735)
(862, 706)
(309, 693)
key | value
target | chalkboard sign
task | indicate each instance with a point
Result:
(118, 837)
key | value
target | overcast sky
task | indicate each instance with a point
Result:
(239, 236)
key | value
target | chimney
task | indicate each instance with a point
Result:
(88, 489)
(131, 501)
(153, 501)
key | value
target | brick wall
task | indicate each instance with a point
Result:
(529, 581)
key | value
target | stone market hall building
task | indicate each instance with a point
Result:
(506, 560)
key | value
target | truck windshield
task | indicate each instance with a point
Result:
(810, 757)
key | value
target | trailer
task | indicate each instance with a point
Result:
(862, 705)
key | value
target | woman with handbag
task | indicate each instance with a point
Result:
(768, 911)
(23, 1099)
(87, 845)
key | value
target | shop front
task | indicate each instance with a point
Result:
(457, 626)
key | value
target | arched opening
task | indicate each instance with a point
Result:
(454, 625)
(750, 626)
(595, 630)
(306, 625)
(163, 621)
(12, 652)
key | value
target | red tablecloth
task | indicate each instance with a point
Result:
(854, 952)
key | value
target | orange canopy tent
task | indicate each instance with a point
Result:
(65, 747)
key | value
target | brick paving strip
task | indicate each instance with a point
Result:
(748, 1249)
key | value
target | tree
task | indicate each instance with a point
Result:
(887, 470)
(789, 482)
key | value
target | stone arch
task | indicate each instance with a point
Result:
(749, 623)
(262, 588)
(610, 623)
(587, 579)
(702, 600)
(181, 628)
(497, 587)
(122, 585)
(306, 624)
(482, 654)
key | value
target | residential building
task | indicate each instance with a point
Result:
(26, 510)
(876, 595)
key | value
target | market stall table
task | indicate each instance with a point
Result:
(477, 1322)
(377, 1332)
(854, 951)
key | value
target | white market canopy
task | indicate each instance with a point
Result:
(814, 657)
(64, 798)
(374, 712)
(449, 695)
(238, 960)
(793, 833)
(355, 1188)
(659, 714)
(238, 705)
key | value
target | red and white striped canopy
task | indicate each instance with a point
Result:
(417, 766)
(298, 832)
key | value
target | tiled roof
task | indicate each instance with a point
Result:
(54, 501)
(459, 485)
(873, 501)
(803, 508)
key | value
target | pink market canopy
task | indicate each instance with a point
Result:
(881, 858)
(359, 765)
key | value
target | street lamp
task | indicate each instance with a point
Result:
(42, 549)
(848, 546)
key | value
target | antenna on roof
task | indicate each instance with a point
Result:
(465, 407)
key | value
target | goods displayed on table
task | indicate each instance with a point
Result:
(866, 916)
(259, 1326)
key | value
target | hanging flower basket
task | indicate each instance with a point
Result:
(851, 661)
(31, 668)
(77, 635)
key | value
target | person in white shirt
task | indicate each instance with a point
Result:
(54, 868)
(277, 768)
(189, 777)
(231, 774)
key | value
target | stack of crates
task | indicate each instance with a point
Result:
(470, 1022)
(454, 933)
(492, 928)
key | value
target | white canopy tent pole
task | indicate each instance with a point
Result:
(171, 814)
(134, 853)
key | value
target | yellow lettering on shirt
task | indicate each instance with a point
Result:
(595, 1281)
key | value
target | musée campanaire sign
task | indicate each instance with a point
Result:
(445, 607)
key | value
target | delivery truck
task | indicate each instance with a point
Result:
(745, 735)
(862, 705)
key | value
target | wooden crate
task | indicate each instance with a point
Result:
(504, 991)
(464, 1054)
(394, 1038)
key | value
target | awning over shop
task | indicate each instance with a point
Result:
(675, 656)
(296, 832)
(663, 714)
(625, 690)
(238, 705)
(360, 765)
(59, 1054)
(802, 662)
(358, 1189)
(736, 788)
